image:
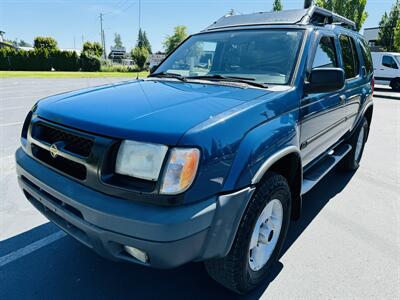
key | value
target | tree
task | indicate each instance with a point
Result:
(351, 9)
(22, 43)
(117, 41)
(139, 56)
(143, 41)
(277, 5)
(45, 43)
(92, 49)
(397, 37)
(388, 25)
(172, 41)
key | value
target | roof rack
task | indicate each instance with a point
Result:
(320, 16)
(313, 15)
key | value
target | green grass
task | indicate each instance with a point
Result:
(45, 74)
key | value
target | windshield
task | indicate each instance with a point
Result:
(265, 56)
(397, 58)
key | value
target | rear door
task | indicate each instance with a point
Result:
(322, 115)
(357, 87)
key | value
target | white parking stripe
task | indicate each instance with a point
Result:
(11, 124)
(31, 248)
(12, 108)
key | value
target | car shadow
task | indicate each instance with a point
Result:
(66, 269)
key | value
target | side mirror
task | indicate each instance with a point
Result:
(153, 68)
(324, 80)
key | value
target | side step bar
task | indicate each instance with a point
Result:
(317, 172)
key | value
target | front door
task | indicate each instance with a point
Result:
(322, 115)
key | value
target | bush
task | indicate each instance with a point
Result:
(45, 60)
(93, 49)
(89, 63)
(139, 56)
(118, 68)
(44, 42)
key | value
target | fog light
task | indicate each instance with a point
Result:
(138, 254)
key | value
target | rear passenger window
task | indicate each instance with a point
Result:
(350, 57)
(389, 62)
(325, 56)
(366, 53)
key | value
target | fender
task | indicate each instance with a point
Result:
(261, 147)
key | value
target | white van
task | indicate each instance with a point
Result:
(387, 69)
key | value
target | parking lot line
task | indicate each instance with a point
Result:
(11, 124)
(31, 248)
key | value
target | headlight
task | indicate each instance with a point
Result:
(180, 170)
(140, 160)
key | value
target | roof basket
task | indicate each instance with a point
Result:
(312, 15)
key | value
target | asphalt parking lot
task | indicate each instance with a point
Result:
(346, 246)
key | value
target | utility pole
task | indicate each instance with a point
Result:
(140, 8)
(103, 42)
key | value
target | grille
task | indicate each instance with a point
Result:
(67, 166)
(73, 143)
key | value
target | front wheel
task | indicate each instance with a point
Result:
(396, 85)
(259, 238)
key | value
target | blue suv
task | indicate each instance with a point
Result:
(207, 159)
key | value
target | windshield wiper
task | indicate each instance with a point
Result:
(218, 77)
(168, 75)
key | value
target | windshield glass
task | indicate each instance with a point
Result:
(267, 56)
(397, 58)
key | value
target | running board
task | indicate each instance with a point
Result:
(317, 172)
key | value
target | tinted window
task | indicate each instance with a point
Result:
(366, 53)
(325, 56)
(349, 55)
(267, 56)
(389, 62)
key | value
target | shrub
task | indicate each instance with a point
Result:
(139, 56)
(44, 42)
(118, 68)
(93, 49)
(44, 60)
(89, 63)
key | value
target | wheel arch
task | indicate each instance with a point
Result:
(287, 163)
(368, 115)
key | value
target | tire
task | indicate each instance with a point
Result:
(395, 84)
(351, 162)
(235, 271)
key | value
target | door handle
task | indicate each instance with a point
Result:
(342, 99)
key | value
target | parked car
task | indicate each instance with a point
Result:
(205, 163)
(387, 69)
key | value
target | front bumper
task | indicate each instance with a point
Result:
(171, 236)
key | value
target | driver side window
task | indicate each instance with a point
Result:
(325, 56)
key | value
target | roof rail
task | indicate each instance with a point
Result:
(312, 15)
(320, 16)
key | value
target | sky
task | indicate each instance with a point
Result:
(71, 21)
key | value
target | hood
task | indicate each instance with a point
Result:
(157, 111)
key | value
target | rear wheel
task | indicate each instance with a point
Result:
(352, 161)
(395, 84)
(259, 238)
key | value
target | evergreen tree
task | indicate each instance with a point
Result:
(143, 41)
(277, 5)
(117, 41)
